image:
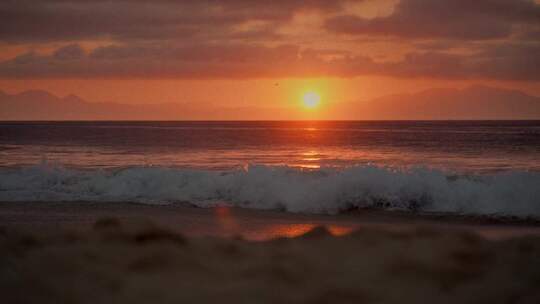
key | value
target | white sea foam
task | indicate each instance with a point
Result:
(262, 187)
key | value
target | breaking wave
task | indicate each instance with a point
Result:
(514, 193)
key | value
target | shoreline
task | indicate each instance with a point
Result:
(251, 224)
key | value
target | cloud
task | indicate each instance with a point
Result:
(195, 61)
(457, 39)
(61, 20)
(504, 62)
(69, 52)
(454, 19)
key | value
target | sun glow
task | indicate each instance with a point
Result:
(311, 99)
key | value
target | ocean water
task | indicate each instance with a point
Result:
(473, 167)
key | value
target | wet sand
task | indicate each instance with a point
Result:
(250, 224)
(128, 253)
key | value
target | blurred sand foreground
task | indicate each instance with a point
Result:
(134, 261)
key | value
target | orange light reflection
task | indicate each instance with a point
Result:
(296, 230)
(226, 220)
(229, 225)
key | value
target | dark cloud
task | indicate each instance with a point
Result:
(61, 20)
(455, 19)
(495, 39)
(195, 61)
(504, 62)
(26, 58)
(69, 52)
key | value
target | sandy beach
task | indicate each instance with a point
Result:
(130, 253)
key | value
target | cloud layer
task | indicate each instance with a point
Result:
(491, 39)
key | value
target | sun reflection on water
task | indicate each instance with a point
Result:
(310, 160)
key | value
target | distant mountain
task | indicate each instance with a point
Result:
(41, 105)
(475, 102)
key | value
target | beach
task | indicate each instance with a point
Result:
(119, 252)
(270, 212)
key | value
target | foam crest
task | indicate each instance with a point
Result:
(513, 193)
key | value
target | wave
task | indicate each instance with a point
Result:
(513, 193)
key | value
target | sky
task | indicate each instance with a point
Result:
(250, 52)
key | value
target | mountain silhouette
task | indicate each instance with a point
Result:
(474, 102)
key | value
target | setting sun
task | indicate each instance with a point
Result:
(311, 99)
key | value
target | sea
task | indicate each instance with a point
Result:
(460, 167)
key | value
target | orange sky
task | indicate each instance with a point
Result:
(246, 91)
(253, 53)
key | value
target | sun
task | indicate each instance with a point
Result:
(311, 99)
